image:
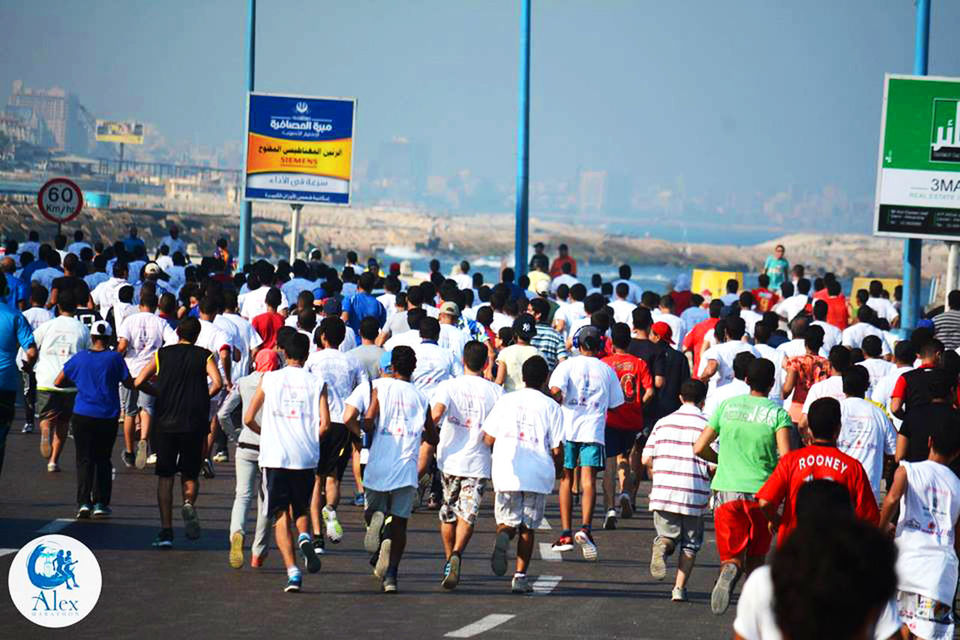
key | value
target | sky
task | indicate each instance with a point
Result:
(727, 98)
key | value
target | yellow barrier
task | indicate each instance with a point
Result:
(863, 282)
(714, 281)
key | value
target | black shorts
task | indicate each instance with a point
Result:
(287, 488)
(336, 449)
(179, 452)
(7, 401)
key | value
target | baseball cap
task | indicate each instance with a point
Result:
(394, 267)
(151, 269)
(542, 287)
(267, 360)
(386, 362)
(450, 309)
(538, 245)
(525, 327)
(332, 305)
(663, 331)
(101, 329)
(589, 338)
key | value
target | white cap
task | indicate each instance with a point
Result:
(101, 329)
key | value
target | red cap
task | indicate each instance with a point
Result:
(663, 331)
(267, 360)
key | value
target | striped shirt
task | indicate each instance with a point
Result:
(550, 344)
(947, 328)
(681, 483)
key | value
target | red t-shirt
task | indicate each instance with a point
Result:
(817, 462)
(267, 325)
(634, 379)
(693, 341)
(766, 299)
(837, 313)
(557, 267)
(681, 300)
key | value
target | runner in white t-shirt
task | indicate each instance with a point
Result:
(832, 387)
(397, 415)
(295, 415)
(586, 388)
(717, 361)
(434, 363)
(460, 407)
(525, 429)
(866, 432)
(138, 338)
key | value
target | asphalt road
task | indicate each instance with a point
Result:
(192, 592)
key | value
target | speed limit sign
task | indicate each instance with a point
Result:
(60, 200)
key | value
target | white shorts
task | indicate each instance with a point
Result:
(516, 508)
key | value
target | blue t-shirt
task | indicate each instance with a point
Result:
(15, 332)
(97, 376)
(361, 305)
(17, 290)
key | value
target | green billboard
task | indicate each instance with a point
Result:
(918, 174)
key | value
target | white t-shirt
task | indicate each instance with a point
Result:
(468, 401)
(866, 434)
(46, 276)
(589, 387)
(832, 387)
(563, 278)
(527, 425)
(769, 353)
(792, 306)
(500, 320)
(854, 334)
(407, 338)
(254, 302)
(144, 333)
(290, 421)
(341, 372)
(877, 369)
(175, 244)
(832, 336)
(105, 295)
(884, 308)
(36, 316)
(453, 339)
(750, 319)
(884, 389)
(727, 391)
(213, 339)
(76, 247)
(434, 365)
(927, 562)
(396, 442)
(389, 302)
(675, 323)
(57, 341)
(294, 287)
(756, 621)
(634, 293)
(249, 340)
(724, 354)
(623, 311)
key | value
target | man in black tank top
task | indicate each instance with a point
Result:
(187, 377)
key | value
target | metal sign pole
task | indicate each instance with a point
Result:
(523, 146)
(294, 231)
(246, 214)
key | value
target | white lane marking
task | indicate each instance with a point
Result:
(544, 525)
(483, 624)
(55, 525)
(6, 552)
(547, 553)
(546, 584)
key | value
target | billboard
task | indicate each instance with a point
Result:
(299, 149)
(918, 174)
(125, 132)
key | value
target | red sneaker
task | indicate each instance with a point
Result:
(257, 561)
(563, 543)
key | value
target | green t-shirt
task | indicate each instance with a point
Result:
(746, 427)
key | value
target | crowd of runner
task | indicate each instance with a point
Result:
(787, 410)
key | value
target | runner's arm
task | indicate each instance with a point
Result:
(430, 434)
(437, 412)
(892, 501)
(557, 394)
(145, 374)
(501, 373)
(783, 442)
(351, 420)
(902, 443)
(324, 425)
(709, 370)
(373, 412)
(62, 380)
(213, 372)
(701, 448)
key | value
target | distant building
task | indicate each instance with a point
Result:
(61, 114)
(593, 188)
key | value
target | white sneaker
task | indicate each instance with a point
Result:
(334, 529)
(152, 459)
(53, 467)
(610, 520)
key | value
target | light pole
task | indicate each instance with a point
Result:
(523, 146)
(246, 215)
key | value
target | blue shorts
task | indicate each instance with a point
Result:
(583, 454)
(618, 442)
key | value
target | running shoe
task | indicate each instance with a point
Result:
(563, 543)
(498, 561)
(389, 584)
(334, 528)
(151, 459)
(45, 448)
(53, 467)
(206, 469)
(310, 558)
(626, 507)
(679, 594)
(720, 598)
(128, 459)
(382, 564)
(140, 459)
(371, 541)
(27, 428)
(221, 456)
(358, 500)
(256, 562)
(433, 503)
(102, 511)
(236, 549)
(83, 512)
(451, 573)
(293, 584)
(319, 546)
(164, 539)
(191, 522)
(520, 584)
(658, 559)
(587, 546)
(610, 520)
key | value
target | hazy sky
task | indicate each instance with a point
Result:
(734, 97)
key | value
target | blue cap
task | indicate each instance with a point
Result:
(386, 362)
